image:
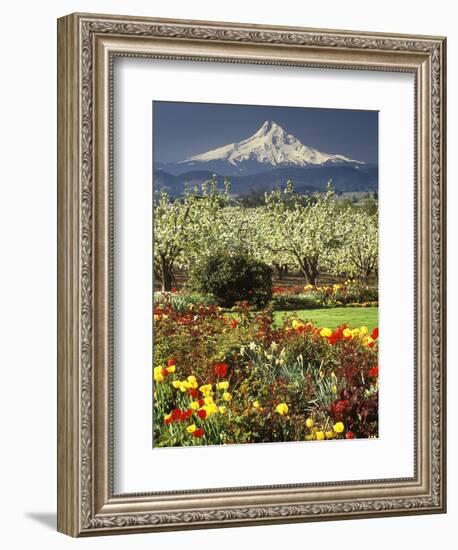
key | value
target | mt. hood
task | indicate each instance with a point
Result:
(269, 148)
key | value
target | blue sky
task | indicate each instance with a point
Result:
(182, 129)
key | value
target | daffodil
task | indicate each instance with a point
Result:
(325, 332)
(227, 396)
(282, 409)
(223, 385)
(338, 427)
(208, 400)
(192, 379)
(222, 409)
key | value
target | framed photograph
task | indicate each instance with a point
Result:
(251, 291)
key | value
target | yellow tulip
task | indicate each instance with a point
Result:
(176, 384)
(172, 368)
(227, 396)
(194, 405)
(329, 434)
(282, 409)
(338, 427)
(223, 385)
(309, 423)
(207, 388)
(319, 435)
(222, 409)
(191, 429)
(325, 332)
(256, 404)
(347, 333)
(159, 377)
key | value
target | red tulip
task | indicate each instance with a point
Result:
(221, 369)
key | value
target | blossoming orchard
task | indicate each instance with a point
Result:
(265, 318)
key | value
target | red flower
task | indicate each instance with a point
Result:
(168, 420)
(202, 413)
(338, 408)
(198, 433)
(337, 335)
(176, 415)
(201, 402)
(221, 369)
(171, 362)
(349, 435)
(193, 392)
(374, 333)
(165, 372)
(234, 323)
(373, 372)
(186, 414)
(174, 290)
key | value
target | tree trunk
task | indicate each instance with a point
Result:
(282, 270)
(166, 275)
(309, 269)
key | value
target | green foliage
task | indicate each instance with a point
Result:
(233, 278)
(180, 301)
(290, 302)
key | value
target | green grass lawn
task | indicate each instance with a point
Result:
(333, 317)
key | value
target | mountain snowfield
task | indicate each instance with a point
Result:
(270, 146)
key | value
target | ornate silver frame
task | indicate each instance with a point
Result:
(87, 45)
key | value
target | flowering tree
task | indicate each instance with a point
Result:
(184, 228)
(358, 255)
(305, 232)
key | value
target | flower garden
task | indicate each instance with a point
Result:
(219, 379)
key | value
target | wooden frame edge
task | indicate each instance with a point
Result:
(108, 516)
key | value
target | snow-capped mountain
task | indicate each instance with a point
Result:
(264, 161)
(268, 148)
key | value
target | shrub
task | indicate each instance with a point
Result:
(232, 279)
(291, 302)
